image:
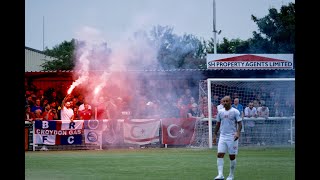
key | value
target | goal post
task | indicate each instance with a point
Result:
(251, 89)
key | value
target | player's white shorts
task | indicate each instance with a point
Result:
(229, 145)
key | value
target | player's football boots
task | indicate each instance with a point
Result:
(219, 177)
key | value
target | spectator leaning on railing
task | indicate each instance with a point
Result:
(288, 108)
(263, 111)
(195, 112)
(250, 112)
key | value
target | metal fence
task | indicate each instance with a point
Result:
(273, 131)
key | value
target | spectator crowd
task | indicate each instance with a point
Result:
(52, 104)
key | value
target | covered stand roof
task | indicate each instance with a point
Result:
(178, 73)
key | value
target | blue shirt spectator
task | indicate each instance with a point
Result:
(238, 106)
(36, 106)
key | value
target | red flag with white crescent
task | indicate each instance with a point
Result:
(178, 131)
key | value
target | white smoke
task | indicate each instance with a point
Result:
(102, 72)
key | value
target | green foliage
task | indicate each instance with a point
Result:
(276, 34)
(173, 49)
(277, 31)
(233, 46)
(64, 54)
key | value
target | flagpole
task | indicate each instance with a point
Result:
(95, 113)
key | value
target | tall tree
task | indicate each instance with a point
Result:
(64, 54)
(276, 34)
(233, 46)
(174, 49)
(276, 31)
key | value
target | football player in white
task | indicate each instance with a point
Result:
(229, 124)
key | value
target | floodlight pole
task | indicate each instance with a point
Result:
(209, 82)
(43, 34)
(214, 27)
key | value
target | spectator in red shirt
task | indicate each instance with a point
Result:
(76, 115)
(182, 108)
(28, 115)
(50, 113)
(86, 113)
(38, 115)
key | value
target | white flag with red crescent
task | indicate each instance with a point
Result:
(141, 131)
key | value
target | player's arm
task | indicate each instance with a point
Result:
(239, 126)
(215, 133)
(237, 135)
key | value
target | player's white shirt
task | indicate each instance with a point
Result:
(66, 113)
(250, 112)
(220, 106)
(228, 119)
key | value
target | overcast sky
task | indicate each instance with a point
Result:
(118, 19)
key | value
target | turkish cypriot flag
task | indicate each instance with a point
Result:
(141, 131)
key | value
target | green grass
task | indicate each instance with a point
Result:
(161, 163)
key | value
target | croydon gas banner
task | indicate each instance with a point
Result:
(249, 61)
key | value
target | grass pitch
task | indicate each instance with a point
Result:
(158, 164)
